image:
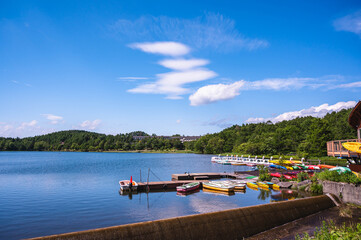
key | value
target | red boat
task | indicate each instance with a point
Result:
(188, 187)
(278, 175)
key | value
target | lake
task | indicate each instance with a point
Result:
(44, 193)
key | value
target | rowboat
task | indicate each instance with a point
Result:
(128, 185)
(252, 185)
(218, 186)
(262, 185)
(215, 192)
(326, 166)
(188, 187)
(273, 185)
(238, 185)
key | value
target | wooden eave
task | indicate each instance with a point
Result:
(354, 119)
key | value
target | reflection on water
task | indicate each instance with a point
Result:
(44, 193)
(184, 194)
(264, 194)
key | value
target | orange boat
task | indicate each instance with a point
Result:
(325, 166)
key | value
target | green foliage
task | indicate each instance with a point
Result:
(301, 176)
(263, 173)
(305, 136)
(76, 140)
(329, 231)
(334, 176)
(316, 188)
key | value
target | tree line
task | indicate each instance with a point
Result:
(78, 140)
(306, 136)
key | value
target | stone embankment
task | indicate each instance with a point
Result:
(230, 224)
(348, 193)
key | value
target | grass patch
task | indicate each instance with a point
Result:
(329, 231)
(334, 176)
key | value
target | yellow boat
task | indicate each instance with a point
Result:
(262, 185)
(352, 146)
(252, 185)
(217, 192)
(218, 186)
(357, 174)
(275, 187)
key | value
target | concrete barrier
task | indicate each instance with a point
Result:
(230, 224)
(348, 193)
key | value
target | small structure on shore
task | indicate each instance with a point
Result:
(335, 147)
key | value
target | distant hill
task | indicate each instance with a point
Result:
(305, 136)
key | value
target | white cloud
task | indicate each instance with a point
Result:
(350, 85)
(90, 125)
(178, 121)
(183, 64)
(171, 84)
(164, 48)
(214, 93)
(278, 83)
(349, 23)
(30, 124)
(53, 118)
(319, 111)
(213, 31)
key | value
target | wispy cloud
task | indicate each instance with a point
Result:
(53, 118)
(208, 31)
(221, 123)
(349, 23)
(172, 84)
(90, 125)
(218, 92)
(25, 125)
(173, 49)
(183, 64)
(319, 111)
(214, 93)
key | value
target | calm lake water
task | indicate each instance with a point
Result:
(44, 193)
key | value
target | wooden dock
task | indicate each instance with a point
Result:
(164, 185)
(180, 179)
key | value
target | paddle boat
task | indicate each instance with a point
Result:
(188, 187)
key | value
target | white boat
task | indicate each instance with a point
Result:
(125, 185)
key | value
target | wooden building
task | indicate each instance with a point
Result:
(335, 148)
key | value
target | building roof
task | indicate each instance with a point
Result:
(355, 116)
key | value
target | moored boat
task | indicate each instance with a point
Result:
(262, 185)
(218, 186)
(252, 185)
(128, 185)
(188, 187)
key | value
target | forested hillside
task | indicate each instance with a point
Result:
(305, 137)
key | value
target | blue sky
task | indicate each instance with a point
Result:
(168, 67)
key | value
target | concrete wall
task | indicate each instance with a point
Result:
(348, 193)
(230, 224)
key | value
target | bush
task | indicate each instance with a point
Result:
(334, 176)
(316, 188)
(301, 176)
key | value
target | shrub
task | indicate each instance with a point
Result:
(334, 176)
(316, 188)
(301, 176)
